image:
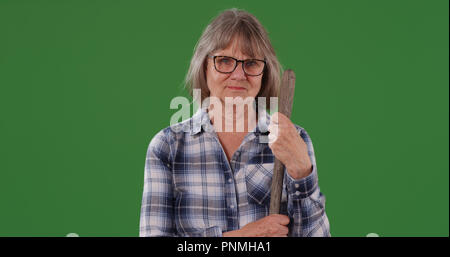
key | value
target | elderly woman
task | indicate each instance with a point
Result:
(205, 180)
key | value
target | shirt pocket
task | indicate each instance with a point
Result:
(258, 179)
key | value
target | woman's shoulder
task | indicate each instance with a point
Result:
(173, 133)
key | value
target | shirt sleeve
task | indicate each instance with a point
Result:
(157, 200)
(306, 204)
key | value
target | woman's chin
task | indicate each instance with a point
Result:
(237, 94)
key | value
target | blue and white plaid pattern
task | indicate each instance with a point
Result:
(191, 189)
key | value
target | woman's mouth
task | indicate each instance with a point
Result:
(236, 88)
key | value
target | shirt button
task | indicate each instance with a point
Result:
(297, 185)
(231, 206)
(297, 193)
(230, 180)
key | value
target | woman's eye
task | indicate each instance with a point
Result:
(250, 63)
(225, 60)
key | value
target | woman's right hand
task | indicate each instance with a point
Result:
(274, 225)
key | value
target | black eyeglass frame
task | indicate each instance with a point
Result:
(237, 63)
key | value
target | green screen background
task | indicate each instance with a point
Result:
(85, 85)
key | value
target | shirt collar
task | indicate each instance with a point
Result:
(201, 119)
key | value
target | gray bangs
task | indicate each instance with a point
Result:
(250, 41)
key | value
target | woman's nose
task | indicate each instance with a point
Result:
(239, 73)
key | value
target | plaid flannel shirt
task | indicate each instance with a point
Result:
(191, 189)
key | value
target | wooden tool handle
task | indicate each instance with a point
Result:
(285, 100)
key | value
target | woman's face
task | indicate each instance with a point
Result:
(232, 84)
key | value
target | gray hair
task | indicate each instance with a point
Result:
(218, 34)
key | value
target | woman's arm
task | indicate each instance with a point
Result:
(157, 217)
(306, 207)
(306, 204)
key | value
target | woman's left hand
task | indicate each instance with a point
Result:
(288, 147)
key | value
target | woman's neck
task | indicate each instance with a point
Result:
(236, 118)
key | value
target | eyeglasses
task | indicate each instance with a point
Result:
(226, 64)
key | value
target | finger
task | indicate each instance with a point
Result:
(273, 127)
(281, 219)
(273, 134)
(272, 138)
(274, 117)
(278, 235)
(279, 124)
(281, 231)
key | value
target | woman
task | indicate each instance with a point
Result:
(207, 181)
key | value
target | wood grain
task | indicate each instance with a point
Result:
(285, 101)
